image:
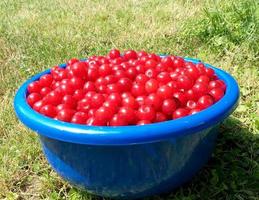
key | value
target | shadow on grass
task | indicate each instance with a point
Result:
(231, 173)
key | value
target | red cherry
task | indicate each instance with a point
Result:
(70, 101)
(189, 65)
(104, 114)
(169, 106)
(124, 84)
(204, 101)
(33, 98)
(131, 73)
(164, 77)
(112, 88)
(116, 98)
(214, 84)
(192, 72)
(46, 80)
(62, 106)
(120, 74)
(117, 120)
(37, 105)
(65, 81)
(110, 79)
(165, 92)
(154, 57)
(65, 115)
(180, 112)
(48, 110)
(104, 61)
(140, 100)
(141, 79)
(112, 105)
(100, 81)
(174, 75)
(79, 94)
(201, 67)
(209, 72)
(180, 96)
(84, 105)
(34, 87)
(54, 69)
(173, 85)
(66, 88)
(167, 62)
(72, 61)
(105, 70)
(79, 69)
(116, 68)
(93, 121)
(97, 100)
(200, 89)
(153, 100)
(141, 54)
(151, 64)
(191, 104)
(160, 117)
(138, 90)
(130, 54)
(90, 94)
(62, 74)
(139, 82)
(53, 98)
(92, 74)
(127, 113)
(151, 86)
(151, 73)
(184, 82)
(140, 68)
(79, 118)
(114, 53)
(126, 94)
(130, 102)
(217, 93)
(44, 91)
(126, 65)
(146, 112)
(91, 112)
(223, 85)
(178, 62)
(55, 84)
(162, 68)
(190, 95)
(76, 83)
(203, 79)
(117, 61)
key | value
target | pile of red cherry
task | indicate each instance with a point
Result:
(133, 88)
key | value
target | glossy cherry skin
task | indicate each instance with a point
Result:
(216, 93)
(33, 98)
(205, 101)
(180, 112)
(48, 110)
(169, 106)
(146, 112)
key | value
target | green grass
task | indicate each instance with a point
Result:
(35, 36)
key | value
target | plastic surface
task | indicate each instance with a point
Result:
(133, 161)
(131, 171)
(102, 135)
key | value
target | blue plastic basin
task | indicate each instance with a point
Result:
(130, 161)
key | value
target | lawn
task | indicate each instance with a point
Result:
(35, 35)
